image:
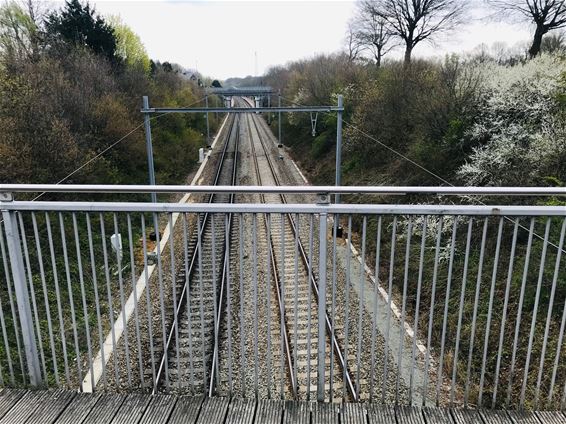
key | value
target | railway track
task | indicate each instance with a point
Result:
(189, 358)
(192, 359)
(297, 306)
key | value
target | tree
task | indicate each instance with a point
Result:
(17, 33)
(353, 42)
(546, 15)
(129, 47)
(216, 84)
(79, 25)
(372, 31)
(417, 20)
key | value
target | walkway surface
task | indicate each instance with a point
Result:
(48, 407)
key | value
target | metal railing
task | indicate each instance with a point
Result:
(415, 304)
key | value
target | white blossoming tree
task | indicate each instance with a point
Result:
(520, 130)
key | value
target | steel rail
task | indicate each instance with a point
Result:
(6, 189)
(277, 283)
(313, 282)
(193, 260)
(225, 271)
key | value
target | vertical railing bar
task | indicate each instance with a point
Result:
(242, 321)
(489, 310)
(282, 290)
(58, 298)
(475, 312)
(267, 217)
(32, 293)
(123, 304)
(309, 311)
(417, 310)
(323, 251)
(83, 298)
(255, 304)
(361, 304)
(71, 300)
(347, 308)
(45, 297)
(333, 306)
(431, 311)
(110, 298)
(535, 311)
(549, 314)
(2, 322)
(200, 231)
(446, 306)
(227, 227)
(175, 323)
(375, 300)
(390, 300)
(504, 312)
(148, 300)
(135, 294)
(215, 292)
(188, 301)
(560, 337)
(461, 311)
(96, 297)
(295, 306)
(161, 296)
(17, 333)
(403, 308)
(519, 311)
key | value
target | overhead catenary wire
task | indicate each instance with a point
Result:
(110, 147)
(423, 168)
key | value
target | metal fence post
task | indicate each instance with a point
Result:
(339, 145)
(207, 124)
(279, 119)
(22, 293)
(149, 146)
(321, 356)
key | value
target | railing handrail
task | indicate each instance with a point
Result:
(378, 190)
(304, 208)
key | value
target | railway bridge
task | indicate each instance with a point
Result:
(257, 298)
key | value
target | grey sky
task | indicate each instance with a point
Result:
(221, 37)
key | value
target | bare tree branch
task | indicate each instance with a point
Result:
(414, 21)
(546, 15)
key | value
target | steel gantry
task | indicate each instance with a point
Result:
(250, 91)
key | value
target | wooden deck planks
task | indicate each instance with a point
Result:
(269, 412)
(67, 407)
(159, 409)
(51, 407)
(132, 409)
(24, 408)
(466, 416)
(213, 410)
(326, 413)
(551, 417)
(409, 415)
(381, 414)
(186, 410)
(241, 411)
(105, 409)
(8, 398)
(78, 409)
(297, 413)
(437, 416)
(353, 413)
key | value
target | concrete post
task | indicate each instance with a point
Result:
(207, 124)
(279, 120)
